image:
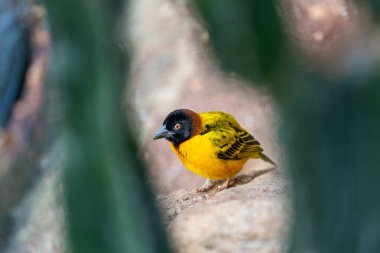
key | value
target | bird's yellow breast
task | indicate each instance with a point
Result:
(199, 155)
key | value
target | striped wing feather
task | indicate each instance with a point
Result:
(240, 145)
(232, 142)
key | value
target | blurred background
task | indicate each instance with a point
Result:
(83, 87)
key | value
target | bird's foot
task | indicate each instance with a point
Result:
(231, 182)
(208, 185)
(225, 185)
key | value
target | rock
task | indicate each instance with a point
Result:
(247, 218)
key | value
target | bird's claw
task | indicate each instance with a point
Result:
(209, 184)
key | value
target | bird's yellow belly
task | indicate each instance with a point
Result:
(200, 157)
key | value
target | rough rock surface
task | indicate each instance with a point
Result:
(253, 217)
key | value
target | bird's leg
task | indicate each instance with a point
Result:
(208, 185)
(225, 185)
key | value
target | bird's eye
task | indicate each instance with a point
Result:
(177, 126)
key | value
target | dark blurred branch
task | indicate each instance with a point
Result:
(110, 208)
(14, 55)
(23, 57)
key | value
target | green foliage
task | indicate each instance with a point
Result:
(109, 206)
(246, 35)
(374, 6)
(330, 131)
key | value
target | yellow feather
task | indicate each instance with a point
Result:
(221, 148)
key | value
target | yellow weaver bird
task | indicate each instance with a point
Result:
(211, 144)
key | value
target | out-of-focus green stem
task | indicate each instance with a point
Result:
(109, 206)
(330, 131)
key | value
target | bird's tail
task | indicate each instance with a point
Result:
(267, 159)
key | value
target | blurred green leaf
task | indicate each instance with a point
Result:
(330, 130)
(246, 35)
(109, 206)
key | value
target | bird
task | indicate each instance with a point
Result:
(210, 144)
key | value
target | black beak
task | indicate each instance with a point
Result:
(162, 133)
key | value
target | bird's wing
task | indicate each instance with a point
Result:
(239, 144)
(233, 143)
(230, 140)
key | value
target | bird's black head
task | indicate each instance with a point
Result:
(178, 126)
